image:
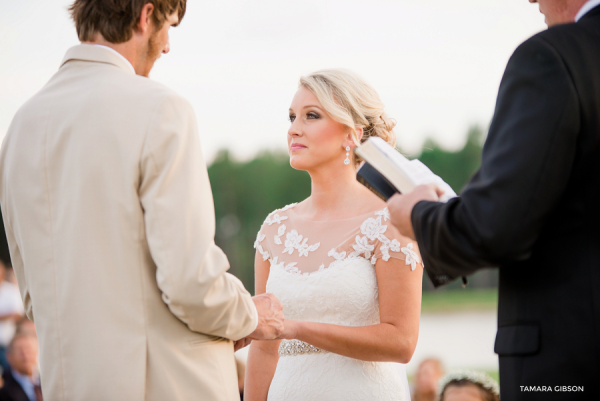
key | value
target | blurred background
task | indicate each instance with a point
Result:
(437, 66)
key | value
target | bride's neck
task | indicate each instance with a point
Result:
(332, 191)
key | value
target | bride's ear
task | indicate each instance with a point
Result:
(354, 140)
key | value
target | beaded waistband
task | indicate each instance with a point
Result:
(297, 347)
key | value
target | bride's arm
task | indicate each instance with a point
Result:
(263, 355)
(393, 340)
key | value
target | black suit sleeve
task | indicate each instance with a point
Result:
(526, 163)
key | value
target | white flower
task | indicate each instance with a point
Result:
(372, 228)
(281, 230)
(385, 251)
(277, 238)
(395, 246)
(292, 241)
(385, 213)
(373, 260)
(291, 205)
(264, 253)
(337, 256)
(259, 238)
(291, 268)
(412, 258)
(303, 248)
(362, 246)
(276, 218)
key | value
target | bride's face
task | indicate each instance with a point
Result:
(315, 139)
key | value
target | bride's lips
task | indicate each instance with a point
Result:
(297, 146)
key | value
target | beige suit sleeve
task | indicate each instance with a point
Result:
(17, 263)
(180, 225)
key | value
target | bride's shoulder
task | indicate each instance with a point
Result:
(277, 215)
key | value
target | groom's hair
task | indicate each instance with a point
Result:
(116, 20)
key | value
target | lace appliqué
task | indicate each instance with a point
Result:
(280, 232)
(412, 258)
(294, 241)
(274, 217)
(259, 238)
(372, 229)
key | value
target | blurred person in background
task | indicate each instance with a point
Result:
(110, 221)
(427, 378)
(21, 378)
(531, 210)
(468, 385)
(11, 310)
(26, 327)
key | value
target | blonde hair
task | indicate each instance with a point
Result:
(351, 101)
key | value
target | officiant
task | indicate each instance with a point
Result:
(531, 210)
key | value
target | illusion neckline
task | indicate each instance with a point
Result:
(334, 220)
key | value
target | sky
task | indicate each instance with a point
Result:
(436, 64)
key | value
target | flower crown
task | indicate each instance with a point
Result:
(478, 378)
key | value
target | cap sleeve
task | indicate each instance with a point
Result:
(389, 243)
(270, 233)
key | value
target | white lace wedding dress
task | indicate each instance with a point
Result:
(324, 272)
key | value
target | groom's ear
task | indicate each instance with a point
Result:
(145, 18)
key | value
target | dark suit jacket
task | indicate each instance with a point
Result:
(533, 210)
(12, 390)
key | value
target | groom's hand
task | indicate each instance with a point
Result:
(401, 206)
(270, 317)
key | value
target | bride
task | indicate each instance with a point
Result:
(350, 284)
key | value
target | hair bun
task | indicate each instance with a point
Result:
(388, 123)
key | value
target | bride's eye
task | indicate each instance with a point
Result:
(292, 117)
(312, 115)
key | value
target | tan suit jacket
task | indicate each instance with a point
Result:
(110, 222)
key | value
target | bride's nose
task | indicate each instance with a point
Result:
(294, 130)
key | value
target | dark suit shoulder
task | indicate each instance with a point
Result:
(11, 390)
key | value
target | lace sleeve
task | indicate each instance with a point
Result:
(271, 232)
(262, 244)
(391, 244)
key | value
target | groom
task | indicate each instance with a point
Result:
(532, 210)
(109, 218)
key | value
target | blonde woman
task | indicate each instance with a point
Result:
(349, 282)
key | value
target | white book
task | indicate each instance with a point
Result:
(402, 173)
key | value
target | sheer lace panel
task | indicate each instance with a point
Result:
(302, 246)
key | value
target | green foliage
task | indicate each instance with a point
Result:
(456, 168)
(246, 192)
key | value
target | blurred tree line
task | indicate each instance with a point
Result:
(246, 192)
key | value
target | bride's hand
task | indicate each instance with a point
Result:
(290, 330)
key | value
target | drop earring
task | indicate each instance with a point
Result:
(347, 161)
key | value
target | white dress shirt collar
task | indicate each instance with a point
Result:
(26, 383)
(120, 55)
(587, 7)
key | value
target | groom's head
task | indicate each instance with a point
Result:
(138, 29)
(559, 11)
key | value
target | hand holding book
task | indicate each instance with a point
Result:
(386, 171)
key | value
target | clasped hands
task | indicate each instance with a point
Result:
(270, 321)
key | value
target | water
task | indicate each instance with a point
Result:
(458, 339)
